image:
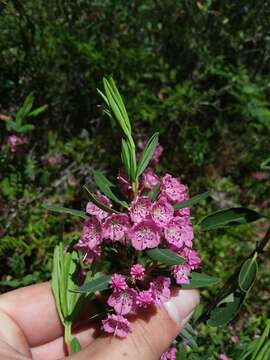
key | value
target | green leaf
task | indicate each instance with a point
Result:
(229, 217)
(25, 109)
(99, 284)
(185, 334)
(247, 274)
(61, 209)
(100, 204)
(165, 256)
(126, 158)
(38, 111)
(262, 340)
(75, 345)
(147, 154)
(154, 192)
(199, 280)
(194, 200)
(105, 187)
(182, 353)
(224, 313)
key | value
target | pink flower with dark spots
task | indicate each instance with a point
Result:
(181, 273)
(185, 213)
(178, 232)
(118, 282)
(137, 272)
(144, 235)
(160, 288)
(173, 189)
(92, 233)
(192, 258)
(16, 140)
(157, 154)
(123, 301)
(93, 209)
(162, 212)
(140, 209)
(117, 325)
(144, 298)
(169, 354)
(150, 179)
(116, 227)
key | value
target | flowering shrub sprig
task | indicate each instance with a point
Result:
(140, 247)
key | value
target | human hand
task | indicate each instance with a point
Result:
(30, 329)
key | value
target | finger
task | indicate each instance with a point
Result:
(33, 309)
(56, 349)
(151, 335)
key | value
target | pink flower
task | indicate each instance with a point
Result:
(144, 235)
(169, 354)
(185, 212)
(144, 298)
(222, 357)
(137, 272)
(54, 159)
(89, 254)
(179, 232)
(116, 324)
(116, 227)
(162, 212)
(140, 209)
(173, 189)
(259, 175)
(192, 258)
(181, 273)
(16, 140)
(234, 339)
(150, 179)
(118, 282)
(123, 301)
(157, 154)
(92, 233)
(160, 288)
(93, 209)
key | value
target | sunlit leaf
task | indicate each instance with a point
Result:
(165, 256)
(247, 274)
(99, 284)
(200, 280)
(147, 154)
(61, 209)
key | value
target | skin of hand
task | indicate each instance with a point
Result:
(30, 328)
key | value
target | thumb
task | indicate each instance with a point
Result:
(151, 334)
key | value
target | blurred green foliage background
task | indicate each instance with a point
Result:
(197, 71)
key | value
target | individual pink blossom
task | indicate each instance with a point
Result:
(222, 357)
(116, 227)
(173, 189)
(169, 354)
(144, 235)
(178, 232)
(92, 233)
(16, 140)
(93, 209)
(181, 273)
(118, 282)
(162, 212)
(157, 154)
(54, 159)
(192, 258)
(137, 272)
(140, 209)
(117, 325)
(160, 288)
(144, 298)
(123, 301)
(234, 339)
(150, 179)
(88, 254)
(259, 175)
(185, 212)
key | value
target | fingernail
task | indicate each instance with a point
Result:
(181, 305)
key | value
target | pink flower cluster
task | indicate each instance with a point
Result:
(14, 141)
(146, 225)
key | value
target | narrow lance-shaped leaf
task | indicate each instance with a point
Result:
(126, 158)
(229, 217)
(65, 210)
(199, 280)
(248, 274)
(147, 154)
(38, 111)
(99, 284)
(165, 256)
(75, 345)
(105, 187)
(193, 201)
(100, 204)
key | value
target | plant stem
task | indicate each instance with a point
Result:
(68, 336)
